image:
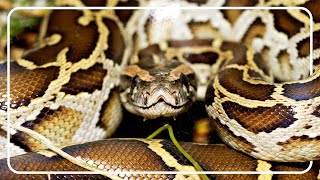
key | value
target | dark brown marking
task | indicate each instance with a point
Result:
(316, 112)
(285, 23)
(107, 110)
(238, 51)
(260, 119)
(171, 148)
(149, 52)
(254, 74)
(205, 57)
(81, 40)
(284, 61)
(25, 85)
(256, 29)
(313, 6)
(147, 26)
(94, 3)
(209, 98)
(304, 45)
(232, 15)
(3, 133)
(146, 56)
(116, 45)
(316, 61)
(199, 2)
(307, 127)
(228, 136)
(232, 81)
(298, 139)
(220, 157)
(259, 61)
(124, 15)
(189, 43)
(85, 80)
(302, 91)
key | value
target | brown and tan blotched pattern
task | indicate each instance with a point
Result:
(137, 155)
(80, 58)
(85, 80)
(259, 119)
(232, 80)
(303, 91)
(25, 84)
(65, 23)
(59, 87)
(58, 126)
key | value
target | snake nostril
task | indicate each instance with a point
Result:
(174, 94)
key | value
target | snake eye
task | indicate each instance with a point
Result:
(135, 80)
(184, 80)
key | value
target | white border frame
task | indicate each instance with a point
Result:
(143, 8)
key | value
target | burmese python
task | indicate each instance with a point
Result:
(73, 71)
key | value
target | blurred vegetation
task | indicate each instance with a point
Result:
(19, 23)
(31, 2)
(21, 19)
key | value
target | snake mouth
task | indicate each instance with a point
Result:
(161, 95)
(160, 109)
(161, 100)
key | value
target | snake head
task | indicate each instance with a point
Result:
(151, 90)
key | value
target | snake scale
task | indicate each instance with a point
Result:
(250, 67)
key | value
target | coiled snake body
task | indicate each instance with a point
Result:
(64, 89)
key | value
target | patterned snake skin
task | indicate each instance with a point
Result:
(250, 67)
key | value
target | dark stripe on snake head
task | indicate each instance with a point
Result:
(65, 23)
(302, 91)
(258, 119)
(85, 80)
(232, 81)
(25, 84)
